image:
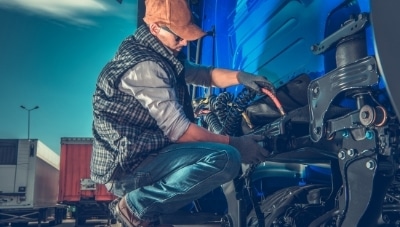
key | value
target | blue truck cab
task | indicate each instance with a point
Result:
(335, 144)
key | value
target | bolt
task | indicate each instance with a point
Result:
(314, 47)
(342, 154)
(351, 152)
(316, 90)
(370, 165)
(317, 130)
(369, 134)
(365, 115)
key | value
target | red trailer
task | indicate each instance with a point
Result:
(87, 199)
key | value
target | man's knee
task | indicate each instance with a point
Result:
(231, 163)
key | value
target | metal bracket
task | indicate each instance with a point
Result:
(322, 91)
(361, 168)
(348, 121)
(349, 28)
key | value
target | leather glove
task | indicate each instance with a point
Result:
(249, 149)
(254, 82)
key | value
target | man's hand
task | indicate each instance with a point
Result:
(255, 82)
(249, 149)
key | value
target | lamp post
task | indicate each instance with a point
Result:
(29, 116)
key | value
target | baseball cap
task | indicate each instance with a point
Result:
(174, 14)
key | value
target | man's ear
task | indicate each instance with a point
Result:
(154, 29)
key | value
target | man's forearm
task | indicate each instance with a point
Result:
(223, 78)
(196, 133)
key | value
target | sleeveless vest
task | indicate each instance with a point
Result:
(124, 132)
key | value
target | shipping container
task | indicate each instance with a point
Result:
(29, 172)
(87, 199)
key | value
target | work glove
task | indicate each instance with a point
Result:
(255, 82)
(249, 149)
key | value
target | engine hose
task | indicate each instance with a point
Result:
(219, 108)
(228, 113)
(221, 105)
(213, 123)
(212, 100)
(273, 97)
(232, 123)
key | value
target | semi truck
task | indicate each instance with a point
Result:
(85, 198)
(333, 122)
(335, 68)
(29, 174)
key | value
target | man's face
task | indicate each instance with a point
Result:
(170, 39)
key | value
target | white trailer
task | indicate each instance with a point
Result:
(29, 181)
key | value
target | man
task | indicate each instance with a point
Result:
(146, 148)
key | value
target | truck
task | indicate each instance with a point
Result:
(29, 174)
(332, 125)
(86, 199)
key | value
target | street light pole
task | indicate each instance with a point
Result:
(29, 116)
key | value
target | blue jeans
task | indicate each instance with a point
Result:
(179, 174)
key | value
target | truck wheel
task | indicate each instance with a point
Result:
(20, 224)
(293, 206)
(81, 221)
(113, 221)
(59, 216)
(52, 223)
(59, 220)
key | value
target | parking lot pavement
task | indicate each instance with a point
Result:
(103, 223)
(89, 223)
(71, 223)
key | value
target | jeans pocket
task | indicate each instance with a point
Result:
(128, 183)
(142, 179)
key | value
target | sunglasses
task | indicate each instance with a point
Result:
(177, 38)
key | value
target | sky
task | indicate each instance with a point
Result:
(51, 53)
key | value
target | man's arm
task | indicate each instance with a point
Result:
(223, 78)
(195, 133)
(250, 150)
(209, 76)
(218, 77)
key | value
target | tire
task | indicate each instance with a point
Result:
(20, 224)
(60, 220)
(113, 221)
(81, 221)
(291, 206)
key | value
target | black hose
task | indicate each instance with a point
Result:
(227, 118)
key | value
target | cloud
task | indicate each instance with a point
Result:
(79, 12)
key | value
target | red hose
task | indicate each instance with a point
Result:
(274, 99)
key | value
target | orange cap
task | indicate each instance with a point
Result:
(175, 14)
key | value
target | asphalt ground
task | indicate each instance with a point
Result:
(103, 223)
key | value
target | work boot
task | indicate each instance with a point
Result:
(122, 213)
(112, 205)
